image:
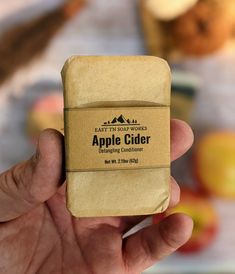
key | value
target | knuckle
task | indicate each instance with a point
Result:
(14, 183)
(168, 239)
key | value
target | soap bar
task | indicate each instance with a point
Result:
(117, 135)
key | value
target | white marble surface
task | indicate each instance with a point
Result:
(111, 27)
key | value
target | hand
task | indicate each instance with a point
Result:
(38, 235)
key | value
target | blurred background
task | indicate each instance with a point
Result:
(198, 40)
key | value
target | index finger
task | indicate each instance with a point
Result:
(181, 138)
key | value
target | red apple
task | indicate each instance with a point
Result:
(214, 164)
(204, 216)
(46, 112)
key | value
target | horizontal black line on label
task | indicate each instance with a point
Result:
(110, 125)
(116, 169)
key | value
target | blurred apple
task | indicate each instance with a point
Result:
(214, 164)
(204, 216)
(46, 112)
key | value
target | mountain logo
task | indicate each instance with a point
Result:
(120, 120)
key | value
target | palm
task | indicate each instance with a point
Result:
(49, 233)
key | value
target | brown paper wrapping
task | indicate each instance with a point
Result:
(117, 82)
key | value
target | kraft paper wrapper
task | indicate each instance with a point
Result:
(92, 81)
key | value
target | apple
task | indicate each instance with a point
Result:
(204, 215)
(46, 112)
(214, 164)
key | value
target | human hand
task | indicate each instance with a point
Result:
(38, 234)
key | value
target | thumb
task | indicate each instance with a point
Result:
(30, 183)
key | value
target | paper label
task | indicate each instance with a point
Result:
(117, 138)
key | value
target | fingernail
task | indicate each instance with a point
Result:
(37, 153)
